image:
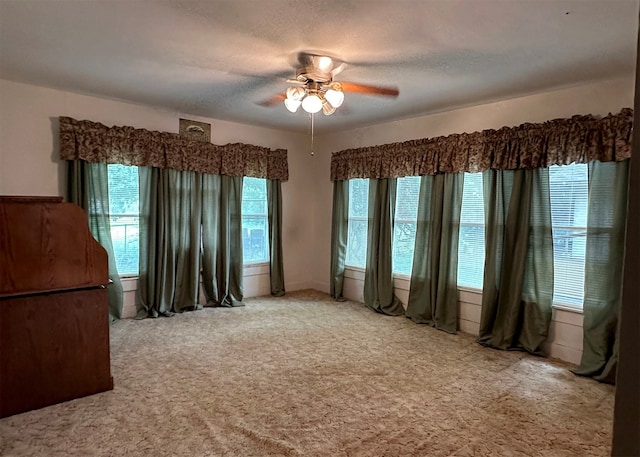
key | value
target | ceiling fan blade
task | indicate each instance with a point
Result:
(367, 89)
(278, 98)
(338, 69)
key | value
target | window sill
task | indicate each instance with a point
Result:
(470, 289)
(255, 264)
(401, 277)
(567, 308)
(245, 266)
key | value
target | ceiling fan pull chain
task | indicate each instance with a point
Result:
(311, 116)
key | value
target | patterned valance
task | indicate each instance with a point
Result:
(580, 139)
(95, 142)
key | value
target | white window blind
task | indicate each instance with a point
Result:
(471, 245)
(124, 217)
(358, 222)
(255, 233)
(404, 231)
(569, 203)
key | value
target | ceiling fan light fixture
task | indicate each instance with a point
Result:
(334, 97)
(312, 104)
(291, 104)
(296, 93)
(327, 108)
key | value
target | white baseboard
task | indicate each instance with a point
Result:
(319, 286)
(300, 285)
(566, 353)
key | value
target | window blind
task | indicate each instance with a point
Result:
(569, 203)
(357, 224)
(471, 247)
(255, 233)
(404, 231)
(124, 211)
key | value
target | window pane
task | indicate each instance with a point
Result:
(359, 198)
(471, 244)
(357, 243)
(569, 202)
(255, 242)
(404, 231)
(357, 229)
(124, 217)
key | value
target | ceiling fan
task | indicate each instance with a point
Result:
(315, 89)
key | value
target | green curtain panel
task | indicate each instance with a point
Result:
(88, 187)
(339, 236)
(378, 277)
(606, 219)
(433, 294)
(518, 273)
(170, 207)
(276, 267)
(222, 240)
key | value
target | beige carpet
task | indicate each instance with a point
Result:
(305, 376)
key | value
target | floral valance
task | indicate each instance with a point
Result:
(579, 139)
(95, 142)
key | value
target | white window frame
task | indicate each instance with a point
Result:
(404, 220)
(559, 304)
(112, 224)
(264, 216)
(349, 222)
(462, 225)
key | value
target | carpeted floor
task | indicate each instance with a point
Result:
(303, 375)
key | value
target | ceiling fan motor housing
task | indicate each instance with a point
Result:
(311, 73)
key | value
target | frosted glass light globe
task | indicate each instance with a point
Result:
(334, 97)
(312, 104)
(292, 105)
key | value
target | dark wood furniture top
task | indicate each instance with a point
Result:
(46, 245)
(54, 321)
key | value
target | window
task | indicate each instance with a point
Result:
(471, 243)
(569, 192)
(255, 233)
(357, 224)
(124, 217)
(569, 202)
(404, 227)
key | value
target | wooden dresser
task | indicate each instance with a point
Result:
(54, 322)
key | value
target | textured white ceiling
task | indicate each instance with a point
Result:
(220, 58)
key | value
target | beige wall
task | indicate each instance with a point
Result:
(29, 166)
(29, 162)
(597, 98)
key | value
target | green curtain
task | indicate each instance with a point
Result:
(88, 187)
(276, 267)
(518, 273)
(378, 277)
(170, 207)
(433, 294)
(222, 240)
(608, 185)
(339, 236)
